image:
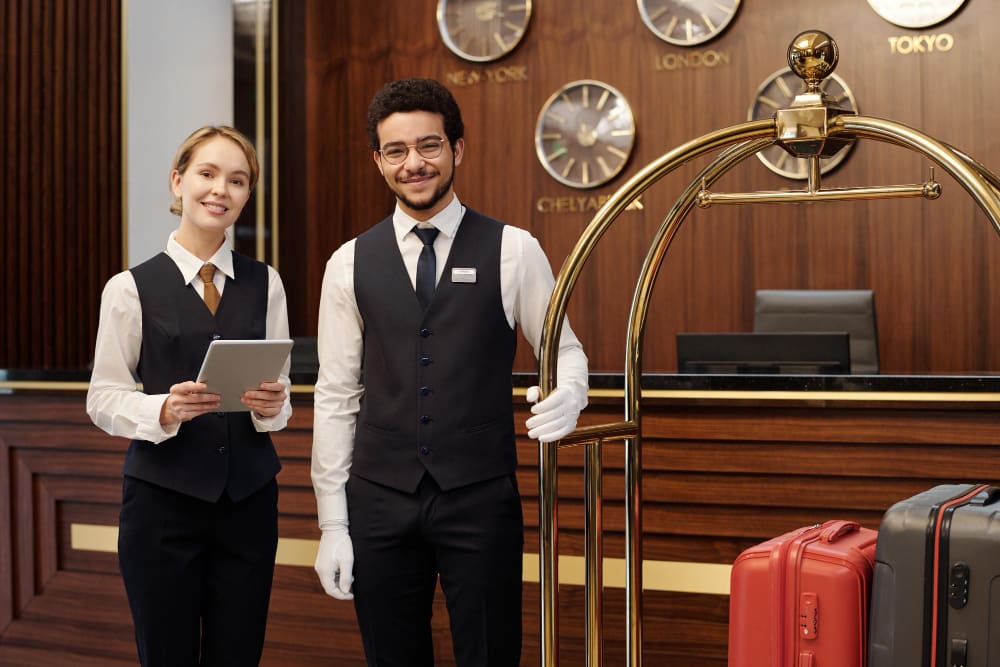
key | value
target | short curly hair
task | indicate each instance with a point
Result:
(414, 94)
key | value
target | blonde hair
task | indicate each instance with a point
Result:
(202, 135)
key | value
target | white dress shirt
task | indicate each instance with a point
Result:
(526, 282)
(114, 401)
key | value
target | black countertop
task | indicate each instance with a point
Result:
(772, 382)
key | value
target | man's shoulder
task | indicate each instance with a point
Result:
(472, 215)
(512, 236)
(508, 228)
(380, 228)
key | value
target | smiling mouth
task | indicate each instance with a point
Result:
(215, 208)
(418, 177)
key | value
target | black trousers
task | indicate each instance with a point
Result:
(472, 537)
(197, 574)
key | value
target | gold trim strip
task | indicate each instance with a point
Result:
(40, 385)
(700, 394)
(729, 395)
(259, 125)
(296, 552)
(44, 386)
(658, 575)
(273, 32)
(91, 537)
(912, 396)
(672, 576)
(123, 56)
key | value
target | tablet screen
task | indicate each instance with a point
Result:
(231, 367)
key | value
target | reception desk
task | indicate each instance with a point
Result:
(728, 461)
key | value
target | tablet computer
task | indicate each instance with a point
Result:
(231, 367)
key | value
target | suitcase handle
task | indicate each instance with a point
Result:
(987, 496)
(834, 530)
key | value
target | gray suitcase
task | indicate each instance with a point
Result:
(936, 588)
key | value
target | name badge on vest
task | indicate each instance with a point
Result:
(463, 275)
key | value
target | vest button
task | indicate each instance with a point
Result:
(425, 391)
(425, 361)
(222, 450)
(424, 419)
(425, 332)
(425, 450)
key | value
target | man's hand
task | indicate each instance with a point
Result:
(335, 562)
(554, 417)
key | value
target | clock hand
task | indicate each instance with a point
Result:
(487, 11)
(587, 136)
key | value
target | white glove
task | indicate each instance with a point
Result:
(554, 417)
(335, 562)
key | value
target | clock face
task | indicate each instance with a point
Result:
(778, 91)
(482, 30)
(584, 134)
(915, 13)
(687, 22)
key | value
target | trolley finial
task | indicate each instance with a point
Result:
(813, 56)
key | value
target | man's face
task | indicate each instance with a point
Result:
(422, 185)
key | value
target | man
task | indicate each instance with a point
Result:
(414, 449)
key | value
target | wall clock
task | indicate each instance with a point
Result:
(482, 30)
(915, 13)
(584, 134)
(778, 91)
(687, 22)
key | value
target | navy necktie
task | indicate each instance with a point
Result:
(426, 265)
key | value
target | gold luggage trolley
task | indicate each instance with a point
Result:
(811, 128)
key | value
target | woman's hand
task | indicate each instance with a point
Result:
(267, 399)
(186, 401)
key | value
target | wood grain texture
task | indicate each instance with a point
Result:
(930, 263)
(717, 478)
(60, 188)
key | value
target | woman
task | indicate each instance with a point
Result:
(198, 523)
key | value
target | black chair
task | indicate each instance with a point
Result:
(304, 358)
(852, 311)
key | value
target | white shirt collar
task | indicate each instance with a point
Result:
(189, 264)
(446, 220)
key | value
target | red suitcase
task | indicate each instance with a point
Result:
(801, 599)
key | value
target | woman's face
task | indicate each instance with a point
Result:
(214, 187)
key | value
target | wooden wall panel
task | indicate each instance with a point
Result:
(717, 477)
(932, 264)
(60, 181)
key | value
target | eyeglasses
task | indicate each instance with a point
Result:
(428, 148)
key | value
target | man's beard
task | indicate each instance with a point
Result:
(434, 198)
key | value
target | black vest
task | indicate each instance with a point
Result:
(437, 382)
(213, 453)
